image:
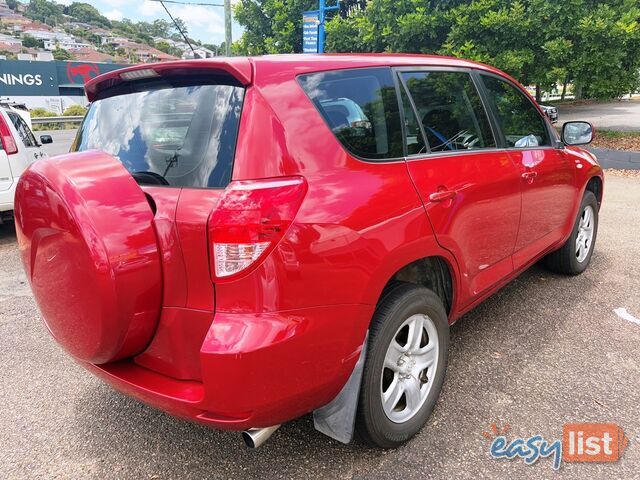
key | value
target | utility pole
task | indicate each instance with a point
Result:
(322, 9)
(227, 28)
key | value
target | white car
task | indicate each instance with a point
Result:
(18, 149)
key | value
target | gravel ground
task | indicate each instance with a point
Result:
(543, 351)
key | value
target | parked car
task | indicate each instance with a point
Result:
(18, 149)
(227, 247)
(19, 108)
(551, 112)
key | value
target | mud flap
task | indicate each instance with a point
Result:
(337, 418)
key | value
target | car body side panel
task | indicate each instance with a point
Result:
(356, 217)
(547, 200)
(479, 225)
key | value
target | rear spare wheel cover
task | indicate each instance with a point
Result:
(88, 245)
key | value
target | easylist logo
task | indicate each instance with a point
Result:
(27, 79)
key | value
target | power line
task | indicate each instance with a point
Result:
(227, 19)
(186, 39)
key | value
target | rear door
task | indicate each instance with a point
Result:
(547, 175)
(471, 189)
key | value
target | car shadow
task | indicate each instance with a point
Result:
(7, 233)
(142, 441)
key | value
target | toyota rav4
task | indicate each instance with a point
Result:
(244, 241)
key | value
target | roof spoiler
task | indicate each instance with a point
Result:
(238, 68)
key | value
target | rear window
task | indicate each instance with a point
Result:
(181, 136)
(361, 108)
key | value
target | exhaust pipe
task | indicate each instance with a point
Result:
(254, 437)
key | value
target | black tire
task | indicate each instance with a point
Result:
(564, 260)
(404, 300)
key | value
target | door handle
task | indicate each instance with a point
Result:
(529, 176)
(442, 196)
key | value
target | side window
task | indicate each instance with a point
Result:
(521, 123)
(450, 109)
(23, 130)
(414, 138)
(361, 108)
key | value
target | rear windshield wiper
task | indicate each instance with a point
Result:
(172, 162)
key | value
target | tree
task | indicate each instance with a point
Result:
(83, 12)
(160, 28)
(61, 54)
(271, 26)
(12, 4)
(8, 55)
(163, 46)
(593, 43)
(175, 32)
(31, 42)
(214, 48)
(74, 111)
(167, 48)
(42, 112)
(44, 11)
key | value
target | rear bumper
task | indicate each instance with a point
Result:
(257, 370)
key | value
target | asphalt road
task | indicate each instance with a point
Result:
(543, 351)
(623, 115)
(62, 140)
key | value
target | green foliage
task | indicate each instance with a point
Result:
(61, 54)
(31, 42)
(74, 111)
(12, 4)
(144, 32)
(160, 28)
(42, 112)
(44, 11)
(83, 12)
(271, 26)
(9, 55)
(166, 48)
(594, 44)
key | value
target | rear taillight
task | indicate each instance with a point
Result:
(249, 221)
(8, 142)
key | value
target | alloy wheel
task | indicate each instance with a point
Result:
(409, 368)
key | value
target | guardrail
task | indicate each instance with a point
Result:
(70, 119)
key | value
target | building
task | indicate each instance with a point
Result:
(198, 52)
(6, 12)
(67, 44)
(144, 53)
(44, 34)
(111, 39)
(92, 56)
(9, 40)
(53, 85)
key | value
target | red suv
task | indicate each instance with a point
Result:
(244, 241)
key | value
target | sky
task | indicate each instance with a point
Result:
(204, 23)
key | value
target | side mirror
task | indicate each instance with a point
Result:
(44, 139)
(577, 133)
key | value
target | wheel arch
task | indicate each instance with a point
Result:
(595, 185)
(434, 272)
